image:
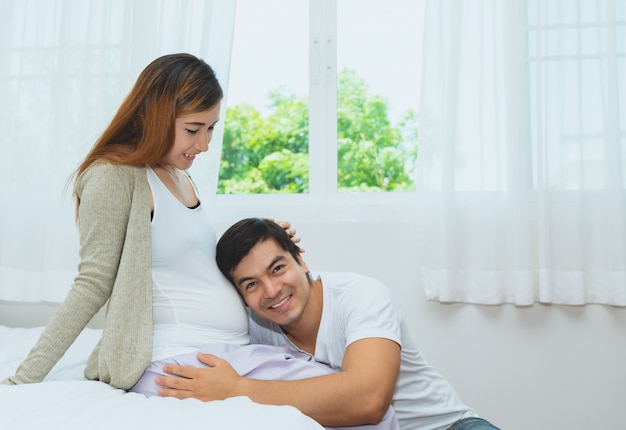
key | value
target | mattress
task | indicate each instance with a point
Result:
(66, 400)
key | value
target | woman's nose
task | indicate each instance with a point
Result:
(203, 143)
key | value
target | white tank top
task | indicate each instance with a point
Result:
(192, 302)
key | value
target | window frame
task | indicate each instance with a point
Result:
(323, 201)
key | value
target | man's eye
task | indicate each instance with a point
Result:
(250, 285)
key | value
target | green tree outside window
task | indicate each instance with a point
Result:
(270, 155)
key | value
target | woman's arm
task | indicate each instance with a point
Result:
(103, 215)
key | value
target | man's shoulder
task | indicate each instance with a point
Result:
(357, 306)
(348, 293)
(341, 283)
(346, 279)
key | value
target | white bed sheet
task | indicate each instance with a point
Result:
(66, 400)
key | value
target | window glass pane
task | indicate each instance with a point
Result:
(379, 74)
(576, 68)
(265, 148)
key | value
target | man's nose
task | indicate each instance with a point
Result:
(272, 289)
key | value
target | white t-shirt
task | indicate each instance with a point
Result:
(193, 304)
(357, 307)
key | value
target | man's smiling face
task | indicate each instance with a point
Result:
(273, 284)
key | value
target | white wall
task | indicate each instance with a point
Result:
(542, 367)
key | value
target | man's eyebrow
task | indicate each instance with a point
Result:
(243, 279)
(275, 260)
(269, 266)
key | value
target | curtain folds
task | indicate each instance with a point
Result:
(67, 65)
(522, 163)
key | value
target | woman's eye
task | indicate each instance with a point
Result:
(191, 131)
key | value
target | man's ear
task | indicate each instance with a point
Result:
(302, 263)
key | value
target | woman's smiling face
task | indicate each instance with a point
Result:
(192, 135)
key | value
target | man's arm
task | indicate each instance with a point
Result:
(359, 394)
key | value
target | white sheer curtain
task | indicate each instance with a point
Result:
(66, 66)
(522, 157)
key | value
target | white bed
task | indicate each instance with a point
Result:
(66, 400)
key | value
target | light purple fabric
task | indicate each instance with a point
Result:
(259, 362)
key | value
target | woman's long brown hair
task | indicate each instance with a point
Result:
(142, 131)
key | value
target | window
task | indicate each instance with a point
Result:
(322, 102)
(577, 51)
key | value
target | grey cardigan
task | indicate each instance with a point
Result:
(115, 265)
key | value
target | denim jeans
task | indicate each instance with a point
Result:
(472, 424)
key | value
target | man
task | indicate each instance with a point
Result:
(345, 320)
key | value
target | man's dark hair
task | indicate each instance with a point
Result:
(242, 236)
